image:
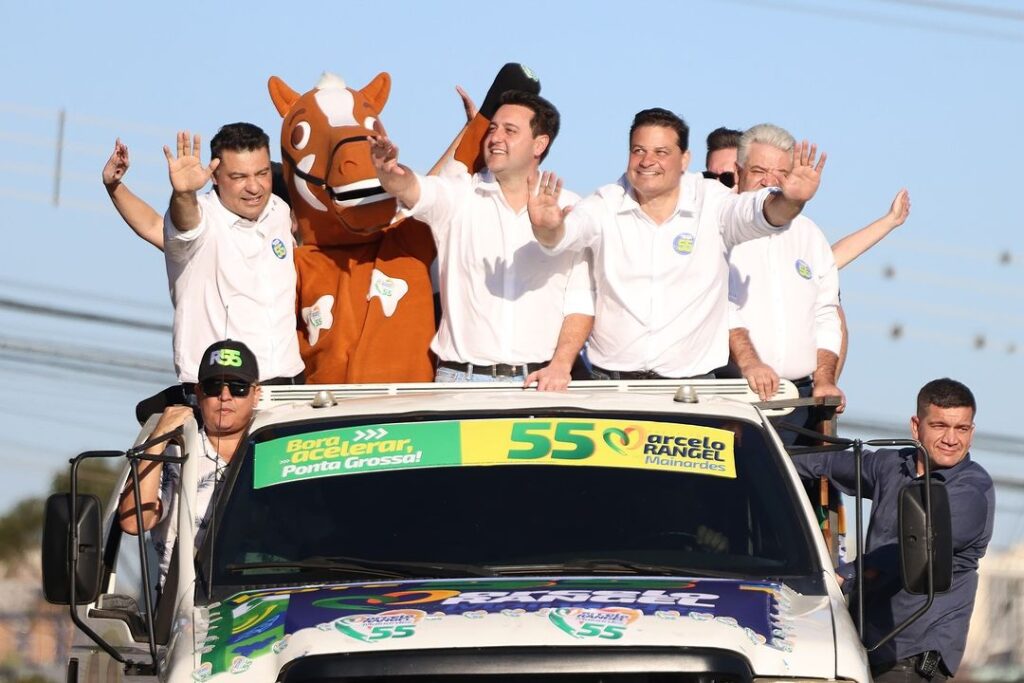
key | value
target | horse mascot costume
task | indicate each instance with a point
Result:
(365, 301)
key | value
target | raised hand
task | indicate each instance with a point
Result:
(384, 153)
(467, 103)
(172, 418)
(900, 208)
(186, 171)
(542, 206)
(802, 182)
(117, 165)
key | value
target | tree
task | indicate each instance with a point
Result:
(21, 528)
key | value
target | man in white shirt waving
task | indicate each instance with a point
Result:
(229, 255)
(510, 311)
(659, 238)
(783, 288)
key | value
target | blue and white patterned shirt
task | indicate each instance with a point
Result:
(165, 533)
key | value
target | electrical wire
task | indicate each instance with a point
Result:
(22, 306)
(987, 11)
(881, 19)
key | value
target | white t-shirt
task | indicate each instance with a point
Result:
(784, 289)
(503, 298)
(165, 533)
(231, 278)
(662, 290)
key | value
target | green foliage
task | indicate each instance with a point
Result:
(21, 527)
(96, 476)
(33, 678)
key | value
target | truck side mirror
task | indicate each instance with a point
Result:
(914, 544)
(57, 547)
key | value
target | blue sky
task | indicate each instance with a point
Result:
(911, 93)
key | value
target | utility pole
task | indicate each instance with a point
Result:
(61, 118)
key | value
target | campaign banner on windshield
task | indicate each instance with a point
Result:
(631, 444)
(350, 450)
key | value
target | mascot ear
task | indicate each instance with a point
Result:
(377, 91)
(283, 96)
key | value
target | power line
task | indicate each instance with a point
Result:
(886, 20)
(50, 353)
(36, 369)
(962, 8)
(897, 332)
(1004, 258)
(1003, 318)
(945, 281)
(86, 120)
(68, 292)
(85, 316)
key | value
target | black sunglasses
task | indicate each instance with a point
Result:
(214, 386)
(728, 178)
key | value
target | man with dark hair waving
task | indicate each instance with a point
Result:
(229, 254)
(930, 649)
(658, 237)
(510, 311)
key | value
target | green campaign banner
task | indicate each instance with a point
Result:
(352, 450)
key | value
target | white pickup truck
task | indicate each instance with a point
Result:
(614, 532)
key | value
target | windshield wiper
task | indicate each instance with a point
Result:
(358, 566)
(615, 566)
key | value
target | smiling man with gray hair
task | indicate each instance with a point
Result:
(783, 288)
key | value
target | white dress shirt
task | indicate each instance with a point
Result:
(503, 298)
(231, 278)
(662, 290)
(784, 289)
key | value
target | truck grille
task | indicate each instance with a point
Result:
(523, 665)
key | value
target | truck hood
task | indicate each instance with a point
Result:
(777, 630)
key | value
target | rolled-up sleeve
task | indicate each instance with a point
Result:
(579, 290)
(741, 217)
(435, 203)
(582, 226)
(828, 331)
(737, 299)
(180, 245)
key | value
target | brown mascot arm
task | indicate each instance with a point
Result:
(511, 77)
(470, 107)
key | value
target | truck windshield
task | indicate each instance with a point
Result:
(564, 493)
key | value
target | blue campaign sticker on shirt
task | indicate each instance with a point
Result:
(683, 243)
(803, 269)
(280, 251)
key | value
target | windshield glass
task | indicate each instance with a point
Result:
(566, 493)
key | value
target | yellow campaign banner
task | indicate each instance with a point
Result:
(636, 444)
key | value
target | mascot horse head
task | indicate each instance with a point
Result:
(325, 149)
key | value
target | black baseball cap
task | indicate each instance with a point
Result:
(229, 359)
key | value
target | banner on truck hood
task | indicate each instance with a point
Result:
(399, 614)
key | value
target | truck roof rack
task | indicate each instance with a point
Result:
(684, 390)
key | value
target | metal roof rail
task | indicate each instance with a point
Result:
(735, 389)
